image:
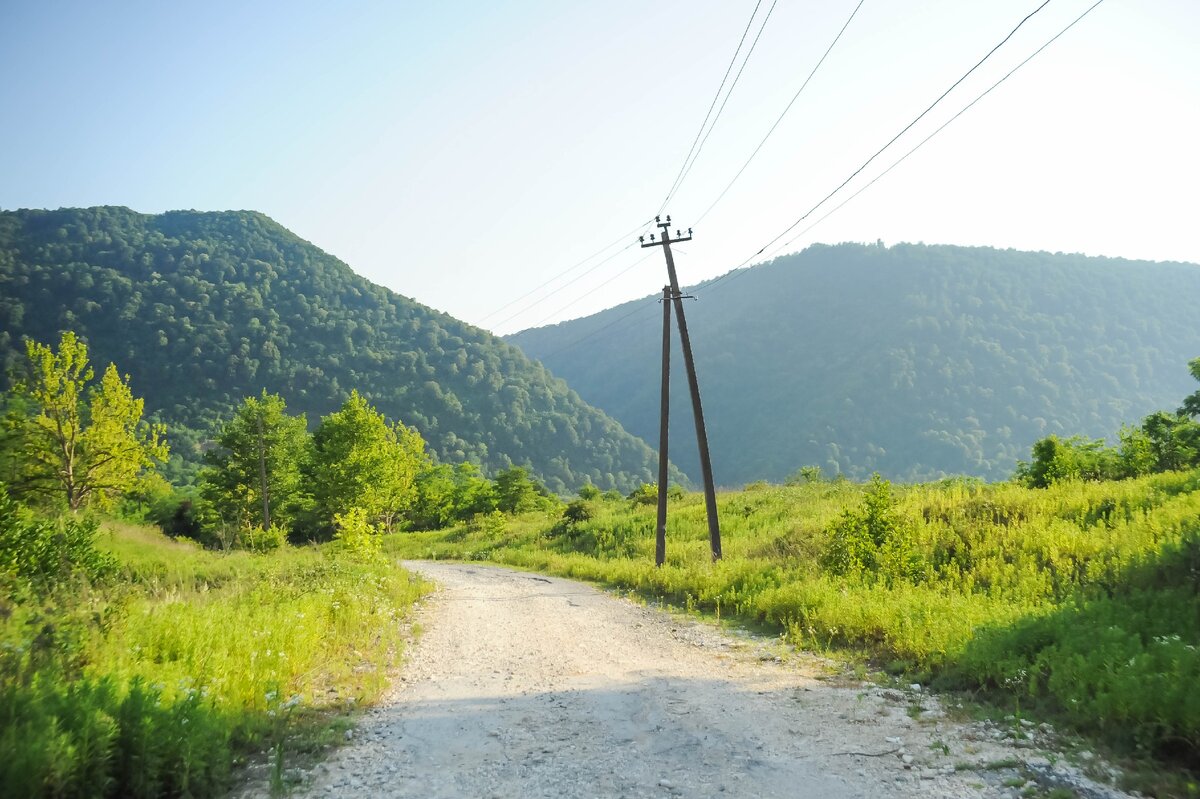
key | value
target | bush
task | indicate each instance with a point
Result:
(645, 494)
(873, 540)
(578, 511)
(101, 738)
(175, 515)
(256, 539)
(487, 523)
(45, 551)
(357, 535)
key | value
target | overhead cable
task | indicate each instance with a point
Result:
(687, 159)
(891, 141)
(568, 270)
(792, 102)
(732, 86)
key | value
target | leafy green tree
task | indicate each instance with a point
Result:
(1191, 404)
(1076, 458)
(1136, 452)
(446, 494)
(516, 492)
(252, 477)
(1174, 440)
(70, 440)
(588, 492)
(358, 460)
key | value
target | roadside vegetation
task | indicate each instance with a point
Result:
(137, 664)
(1082, 599)
(1073, 589)
(140, 663)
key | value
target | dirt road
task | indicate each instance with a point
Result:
(526, 686)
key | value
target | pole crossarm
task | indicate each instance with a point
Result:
(666, 239)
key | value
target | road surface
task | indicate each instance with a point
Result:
(521, 685)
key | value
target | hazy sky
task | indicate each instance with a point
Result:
(464, 153)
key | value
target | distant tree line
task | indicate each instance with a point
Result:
(1164, 441)
(915, 361)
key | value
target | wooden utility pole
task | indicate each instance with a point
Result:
(660, 535)
(685, 342)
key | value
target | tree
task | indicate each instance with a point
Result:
(1191, 404)
(252, 478)
(358, 460)
(515, 491)
(446, 494)
(1075, 458)
(1174, 440)
(73, 441)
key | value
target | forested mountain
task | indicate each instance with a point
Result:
(203, 309)
(916, 361)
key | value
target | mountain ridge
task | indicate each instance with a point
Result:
(204, 308)
(918, 361)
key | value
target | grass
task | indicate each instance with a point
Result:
(158, 679)
(1081, 601)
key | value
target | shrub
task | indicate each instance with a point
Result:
(578, 511)
(357, 535)
(487, 523)
(873, 540)
(645, 494)
(44, 551)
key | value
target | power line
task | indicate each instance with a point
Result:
(732, 86)
(636, 309)
(531, 292)
(711, 106)
(792, 102)
(944, 125)
(891, 141)
(566, 285)
(738, 271)
(589, 293)
(906, 128)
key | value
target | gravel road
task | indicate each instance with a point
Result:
(527, 686)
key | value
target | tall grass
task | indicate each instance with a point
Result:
(157, 679)
(1083, 596)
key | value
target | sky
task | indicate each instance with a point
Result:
(473, 156)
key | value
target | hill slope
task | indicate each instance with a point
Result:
(203, 309)
(916, 361)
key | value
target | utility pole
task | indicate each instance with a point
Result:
(710, 493)
(660, 534)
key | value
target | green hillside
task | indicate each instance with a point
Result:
(916, 361)
(203, 309)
